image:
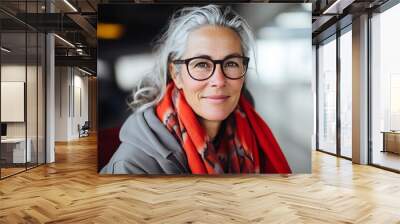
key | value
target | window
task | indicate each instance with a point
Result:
(327, 96)
(385, 88)
(346, 93)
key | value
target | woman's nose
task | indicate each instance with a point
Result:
(218, 78)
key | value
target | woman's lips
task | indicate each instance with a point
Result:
(216, 98)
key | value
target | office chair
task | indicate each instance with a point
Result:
(84, 130)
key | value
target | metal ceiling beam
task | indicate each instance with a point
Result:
(82, 61)
(321, 20)
(16, 18)
(338, 6)
(44, 22)
(77, 17)
(331, 30)
(330, 15)
(86, 26)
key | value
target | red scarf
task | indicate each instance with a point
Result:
(252, 148)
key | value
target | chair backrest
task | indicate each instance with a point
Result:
(86, 125)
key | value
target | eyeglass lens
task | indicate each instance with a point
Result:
(202, 68)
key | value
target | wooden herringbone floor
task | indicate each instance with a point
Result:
(70, 191)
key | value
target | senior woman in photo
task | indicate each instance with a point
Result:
(191, 115)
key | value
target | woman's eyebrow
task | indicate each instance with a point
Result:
(231, 55)
(209, 57)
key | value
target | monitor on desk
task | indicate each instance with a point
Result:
(3, 130)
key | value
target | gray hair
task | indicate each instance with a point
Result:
(151, 89)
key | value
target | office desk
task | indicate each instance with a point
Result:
(13, 150)
(391, 141)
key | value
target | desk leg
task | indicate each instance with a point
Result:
(384, 142)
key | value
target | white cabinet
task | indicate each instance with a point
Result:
(16, 150)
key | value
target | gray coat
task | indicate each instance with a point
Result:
(147, 147)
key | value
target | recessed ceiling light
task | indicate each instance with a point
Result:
(337, 7)
(70, 5)
(5, 49)
(84, 71)
(64, 40)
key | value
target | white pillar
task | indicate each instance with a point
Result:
(50, 93)
(360, 90)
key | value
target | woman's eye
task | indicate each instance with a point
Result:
(231, 64)
(202, 65)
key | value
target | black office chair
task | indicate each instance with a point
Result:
(84, 130)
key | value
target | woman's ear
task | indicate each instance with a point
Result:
(175, 76)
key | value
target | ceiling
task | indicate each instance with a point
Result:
(76, 22)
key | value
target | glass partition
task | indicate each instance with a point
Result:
(327, 96)
(14, 151)
(32, 86)
(22, 77)
(385, 89)
(346, 93)
(31, 100)
(41, 91)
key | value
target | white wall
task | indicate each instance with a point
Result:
(80, 96)
(61, 103)
(12, 101)
(71, 93)
(33, 105)
(16, 73)
(314, 91)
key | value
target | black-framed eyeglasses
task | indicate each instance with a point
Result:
(202, 68)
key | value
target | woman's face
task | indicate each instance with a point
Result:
(215, 98)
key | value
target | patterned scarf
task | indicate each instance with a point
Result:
(251, 148)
